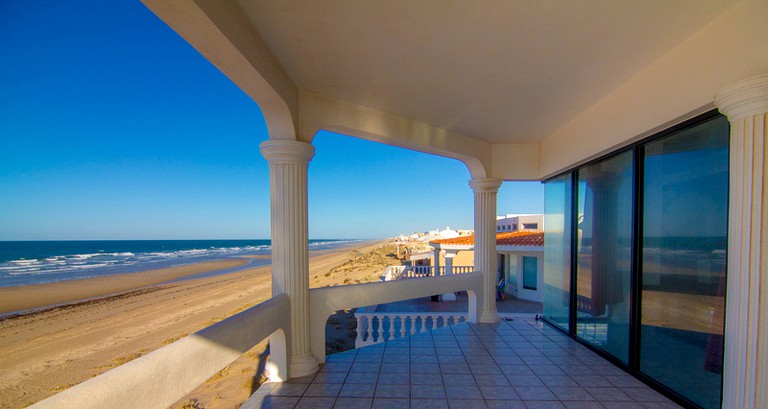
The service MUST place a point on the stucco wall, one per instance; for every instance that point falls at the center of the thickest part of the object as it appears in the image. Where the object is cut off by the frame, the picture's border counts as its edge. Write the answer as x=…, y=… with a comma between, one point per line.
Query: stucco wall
x=676, y=87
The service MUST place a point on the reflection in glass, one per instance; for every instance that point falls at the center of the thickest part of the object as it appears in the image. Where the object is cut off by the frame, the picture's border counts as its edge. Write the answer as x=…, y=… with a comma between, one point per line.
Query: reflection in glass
x=557, y=250
x=511, y=272
x=685, y=214
x=604, y=254
x=530, y=273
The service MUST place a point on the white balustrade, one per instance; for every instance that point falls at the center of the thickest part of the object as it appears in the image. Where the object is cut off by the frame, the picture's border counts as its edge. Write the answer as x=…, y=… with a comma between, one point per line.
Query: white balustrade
x=400, y=272
x=376, y=327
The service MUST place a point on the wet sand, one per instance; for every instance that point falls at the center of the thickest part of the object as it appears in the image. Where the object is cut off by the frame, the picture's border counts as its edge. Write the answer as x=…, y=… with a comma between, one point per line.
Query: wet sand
x=48, y=294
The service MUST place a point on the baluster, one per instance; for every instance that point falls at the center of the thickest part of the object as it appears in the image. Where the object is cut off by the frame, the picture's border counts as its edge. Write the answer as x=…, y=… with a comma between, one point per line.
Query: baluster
x=367, y=323
x=392, y=326
x=380, y=331
x=402, y=326
x=371, y=330
x=359, y=338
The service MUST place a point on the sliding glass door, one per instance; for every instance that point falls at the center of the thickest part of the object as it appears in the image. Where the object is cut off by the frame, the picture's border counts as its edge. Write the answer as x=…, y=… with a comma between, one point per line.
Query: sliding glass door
x=635, y=257
x=557, y=251
x=604, y=257
x=685, y=215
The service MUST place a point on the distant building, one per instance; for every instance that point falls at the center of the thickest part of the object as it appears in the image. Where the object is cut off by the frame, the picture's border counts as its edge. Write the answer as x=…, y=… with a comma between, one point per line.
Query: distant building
x=519, y=222
x=520, y=253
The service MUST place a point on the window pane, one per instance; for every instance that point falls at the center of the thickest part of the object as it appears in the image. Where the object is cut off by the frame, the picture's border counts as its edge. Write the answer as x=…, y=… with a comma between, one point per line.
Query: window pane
x=683, y=274
x=512, y=271
x=530, y=271
x=557, y=250
x=604, y=254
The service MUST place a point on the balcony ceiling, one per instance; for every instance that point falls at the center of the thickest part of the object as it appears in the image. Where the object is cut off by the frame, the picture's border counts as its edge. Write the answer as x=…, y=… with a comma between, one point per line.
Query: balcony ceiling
x=500, y=71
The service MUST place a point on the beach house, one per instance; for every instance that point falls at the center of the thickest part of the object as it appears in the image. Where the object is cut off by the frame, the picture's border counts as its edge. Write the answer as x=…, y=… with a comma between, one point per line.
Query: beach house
x=520, y=258
x=645, y=120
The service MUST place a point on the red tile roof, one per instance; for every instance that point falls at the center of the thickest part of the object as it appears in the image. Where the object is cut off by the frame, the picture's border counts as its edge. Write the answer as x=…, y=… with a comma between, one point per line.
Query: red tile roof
x=461, y=240
x=525, y=238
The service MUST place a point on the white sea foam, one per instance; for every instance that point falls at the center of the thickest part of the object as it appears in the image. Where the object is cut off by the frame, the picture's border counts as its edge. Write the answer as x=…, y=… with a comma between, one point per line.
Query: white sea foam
x=82, y=265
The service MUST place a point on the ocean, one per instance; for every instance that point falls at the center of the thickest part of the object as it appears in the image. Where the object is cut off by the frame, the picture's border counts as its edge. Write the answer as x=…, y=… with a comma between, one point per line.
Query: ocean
x=35, y=262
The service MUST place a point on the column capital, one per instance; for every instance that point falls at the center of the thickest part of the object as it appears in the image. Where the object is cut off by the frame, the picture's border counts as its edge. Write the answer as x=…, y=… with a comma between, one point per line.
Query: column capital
x=744, y=98
x=287, y=152
x=485, y=185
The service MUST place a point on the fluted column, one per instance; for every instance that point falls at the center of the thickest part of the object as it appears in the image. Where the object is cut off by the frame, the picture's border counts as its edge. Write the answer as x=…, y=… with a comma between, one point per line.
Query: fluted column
x=288, y=162
x=745, y=378
x=485, y=242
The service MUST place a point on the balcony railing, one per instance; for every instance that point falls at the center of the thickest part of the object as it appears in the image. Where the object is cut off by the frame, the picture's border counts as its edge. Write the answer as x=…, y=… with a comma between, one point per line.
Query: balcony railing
x=373, y=327
x=325, y=301
x=166, y=375
x=161, y=378
x=399, y=272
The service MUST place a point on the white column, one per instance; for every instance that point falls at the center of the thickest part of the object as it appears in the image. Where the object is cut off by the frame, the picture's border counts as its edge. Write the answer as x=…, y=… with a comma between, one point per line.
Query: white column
x=485, y=242
x=436, y=271
x=449, y=255
x=745, y=378
x=288, y=162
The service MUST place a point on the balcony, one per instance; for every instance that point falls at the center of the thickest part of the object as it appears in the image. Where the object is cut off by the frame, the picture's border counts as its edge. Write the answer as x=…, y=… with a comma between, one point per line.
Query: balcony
x=516, y=363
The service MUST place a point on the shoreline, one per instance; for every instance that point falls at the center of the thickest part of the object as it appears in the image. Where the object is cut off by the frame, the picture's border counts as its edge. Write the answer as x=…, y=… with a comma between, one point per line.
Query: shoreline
x=19, y=300
x=31, y=298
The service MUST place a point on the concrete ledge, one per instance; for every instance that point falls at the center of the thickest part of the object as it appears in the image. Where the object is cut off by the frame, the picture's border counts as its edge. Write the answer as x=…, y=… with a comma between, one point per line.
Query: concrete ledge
x=161, y=378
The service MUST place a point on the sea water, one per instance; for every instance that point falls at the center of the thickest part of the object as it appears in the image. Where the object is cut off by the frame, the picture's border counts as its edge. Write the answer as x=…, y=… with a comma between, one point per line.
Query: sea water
x=34, y=262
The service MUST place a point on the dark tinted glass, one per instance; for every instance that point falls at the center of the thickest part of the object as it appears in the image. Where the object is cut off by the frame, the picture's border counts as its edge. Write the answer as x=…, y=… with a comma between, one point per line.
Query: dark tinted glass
x=685, y=214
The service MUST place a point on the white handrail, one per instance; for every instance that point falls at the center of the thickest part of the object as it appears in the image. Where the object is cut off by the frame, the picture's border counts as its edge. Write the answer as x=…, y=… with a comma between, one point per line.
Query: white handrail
x=398, y=272
x=168, y=374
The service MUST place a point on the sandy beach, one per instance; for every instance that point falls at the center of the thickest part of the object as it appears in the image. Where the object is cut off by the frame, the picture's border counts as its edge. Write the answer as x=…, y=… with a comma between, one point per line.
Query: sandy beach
x=49, y=349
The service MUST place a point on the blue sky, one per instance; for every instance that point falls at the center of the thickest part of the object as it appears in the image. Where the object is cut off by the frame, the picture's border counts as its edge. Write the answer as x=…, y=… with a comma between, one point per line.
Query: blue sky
x=113, y=127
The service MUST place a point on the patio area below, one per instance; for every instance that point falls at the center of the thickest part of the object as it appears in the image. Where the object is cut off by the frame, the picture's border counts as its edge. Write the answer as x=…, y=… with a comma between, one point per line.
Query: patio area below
x=518, y=363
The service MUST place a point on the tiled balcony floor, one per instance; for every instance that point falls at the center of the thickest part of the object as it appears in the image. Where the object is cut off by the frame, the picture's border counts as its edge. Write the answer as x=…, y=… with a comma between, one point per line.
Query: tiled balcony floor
x=518, y=364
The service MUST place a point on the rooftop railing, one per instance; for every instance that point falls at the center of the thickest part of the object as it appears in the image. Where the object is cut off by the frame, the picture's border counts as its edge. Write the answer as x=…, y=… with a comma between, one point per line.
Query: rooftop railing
x=399, y=272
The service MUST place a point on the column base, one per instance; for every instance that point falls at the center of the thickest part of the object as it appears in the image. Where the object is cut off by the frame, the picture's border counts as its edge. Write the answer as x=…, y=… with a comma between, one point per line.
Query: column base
x=489, y=317
x=303, y=365
x=449, y=297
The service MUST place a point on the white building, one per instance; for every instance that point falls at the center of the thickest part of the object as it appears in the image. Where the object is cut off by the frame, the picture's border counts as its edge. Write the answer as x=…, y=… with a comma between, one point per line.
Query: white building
x=519, y=222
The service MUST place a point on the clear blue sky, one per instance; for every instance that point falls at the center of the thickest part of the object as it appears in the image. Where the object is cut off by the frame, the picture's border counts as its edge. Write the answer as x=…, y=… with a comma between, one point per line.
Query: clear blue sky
x=113, y=127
